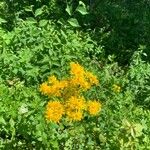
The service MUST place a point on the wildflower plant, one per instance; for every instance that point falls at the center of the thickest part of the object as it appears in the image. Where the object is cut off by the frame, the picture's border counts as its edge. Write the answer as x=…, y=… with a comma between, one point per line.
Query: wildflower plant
x=67, y=94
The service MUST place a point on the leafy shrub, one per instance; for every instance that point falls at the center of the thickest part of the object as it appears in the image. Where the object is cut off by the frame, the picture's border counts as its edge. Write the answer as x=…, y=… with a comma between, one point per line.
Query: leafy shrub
x=120, y=125
x=139, y=75
x=11, y=11
x=33, y=49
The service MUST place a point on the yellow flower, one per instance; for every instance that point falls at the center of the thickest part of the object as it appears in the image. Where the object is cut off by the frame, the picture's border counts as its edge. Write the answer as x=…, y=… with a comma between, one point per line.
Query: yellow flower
x=81, y=77
x=76, y=69
x=74, y=115
x=69, y=90
x=52, y=80
x=74, y=108
x=92, y=79
x=94, y=107
x=63, y=84
x=80, y=81
x=44, y=88
x=75, y=103
x=116, y=88
x=54, y=111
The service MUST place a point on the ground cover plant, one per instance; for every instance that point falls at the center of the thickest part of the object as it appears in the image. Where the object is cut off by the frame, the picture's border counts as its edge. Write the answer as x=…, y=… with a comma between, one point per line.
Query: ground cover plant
x=66, y=81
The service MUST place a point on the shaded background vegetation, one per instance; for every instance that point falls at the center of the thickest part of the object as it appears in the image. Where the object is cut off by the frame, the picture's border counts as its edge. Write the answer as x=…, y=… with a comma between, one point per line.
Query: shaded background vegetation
x=127, y=22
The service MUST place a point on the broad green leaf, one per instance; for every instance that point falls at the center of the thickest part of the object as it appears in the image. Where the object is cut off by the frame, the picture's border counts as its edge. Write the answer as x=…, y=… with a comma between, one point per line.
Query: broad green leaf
x=82, y=8
x=54, y=144
x=12, y=123
x=43, y=22
x=38, y=12
x=73, y=22
x=61, y=21
x=31, y=20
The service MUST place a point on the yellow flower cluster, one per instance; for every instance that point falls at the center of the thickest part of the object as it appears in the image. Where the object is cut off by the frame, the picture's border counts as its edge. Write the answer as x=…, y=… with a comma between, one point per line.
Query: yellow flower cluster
x=73, y=109
x=72, y=105
x=82, y=78
x=53, y=87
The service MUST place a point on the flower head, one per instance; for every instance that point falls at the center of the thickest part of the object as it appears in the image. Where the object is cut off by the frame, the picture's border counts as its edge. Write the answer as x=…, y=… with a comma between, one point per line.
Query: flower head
x=68, y=91
x=52, y=80
x=74, y=115
x=92, y=78
x=75, y=103
x=94, y=107
x=74, y=108
x=54, y=111
x=76, y=69
x=44, y=88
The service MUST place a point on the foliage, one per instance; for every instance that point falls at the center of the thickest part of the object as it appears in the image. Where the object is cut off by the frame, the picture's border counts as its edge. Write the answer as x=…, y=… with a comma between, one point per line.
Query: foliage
x=38, y=39
x=121, y=124
x=139, y=75
x=127, y=22
x=34, y=48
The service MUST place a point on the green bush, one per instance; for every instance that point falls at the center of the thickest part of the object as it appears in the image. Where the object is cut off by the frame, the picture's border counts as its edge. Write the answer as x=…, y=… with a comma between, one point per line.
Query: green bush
x=40, y=38
x=34, y=49
x=12, y=10
x=121, y=124
x=139, y=76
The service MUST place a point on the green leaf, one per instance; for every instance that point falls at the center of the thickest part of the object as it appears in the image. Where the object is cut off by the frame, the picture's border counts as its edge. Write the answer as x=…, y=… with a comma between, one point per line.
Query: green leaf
x=2, y=21
x=31, y=20
x=82, y=8
x=69, y=10
x=38, y=12
x=29, y=8
x=2, y=120
x=73, y=22
x=12, y=123
x=54, y=144
x=43, y=22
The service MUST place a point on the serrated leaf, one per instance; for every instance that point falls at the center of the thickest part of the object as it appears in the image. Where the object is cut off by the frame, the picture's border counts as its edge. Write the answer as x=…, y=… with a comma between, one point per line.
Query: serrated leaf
x=73, y=22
